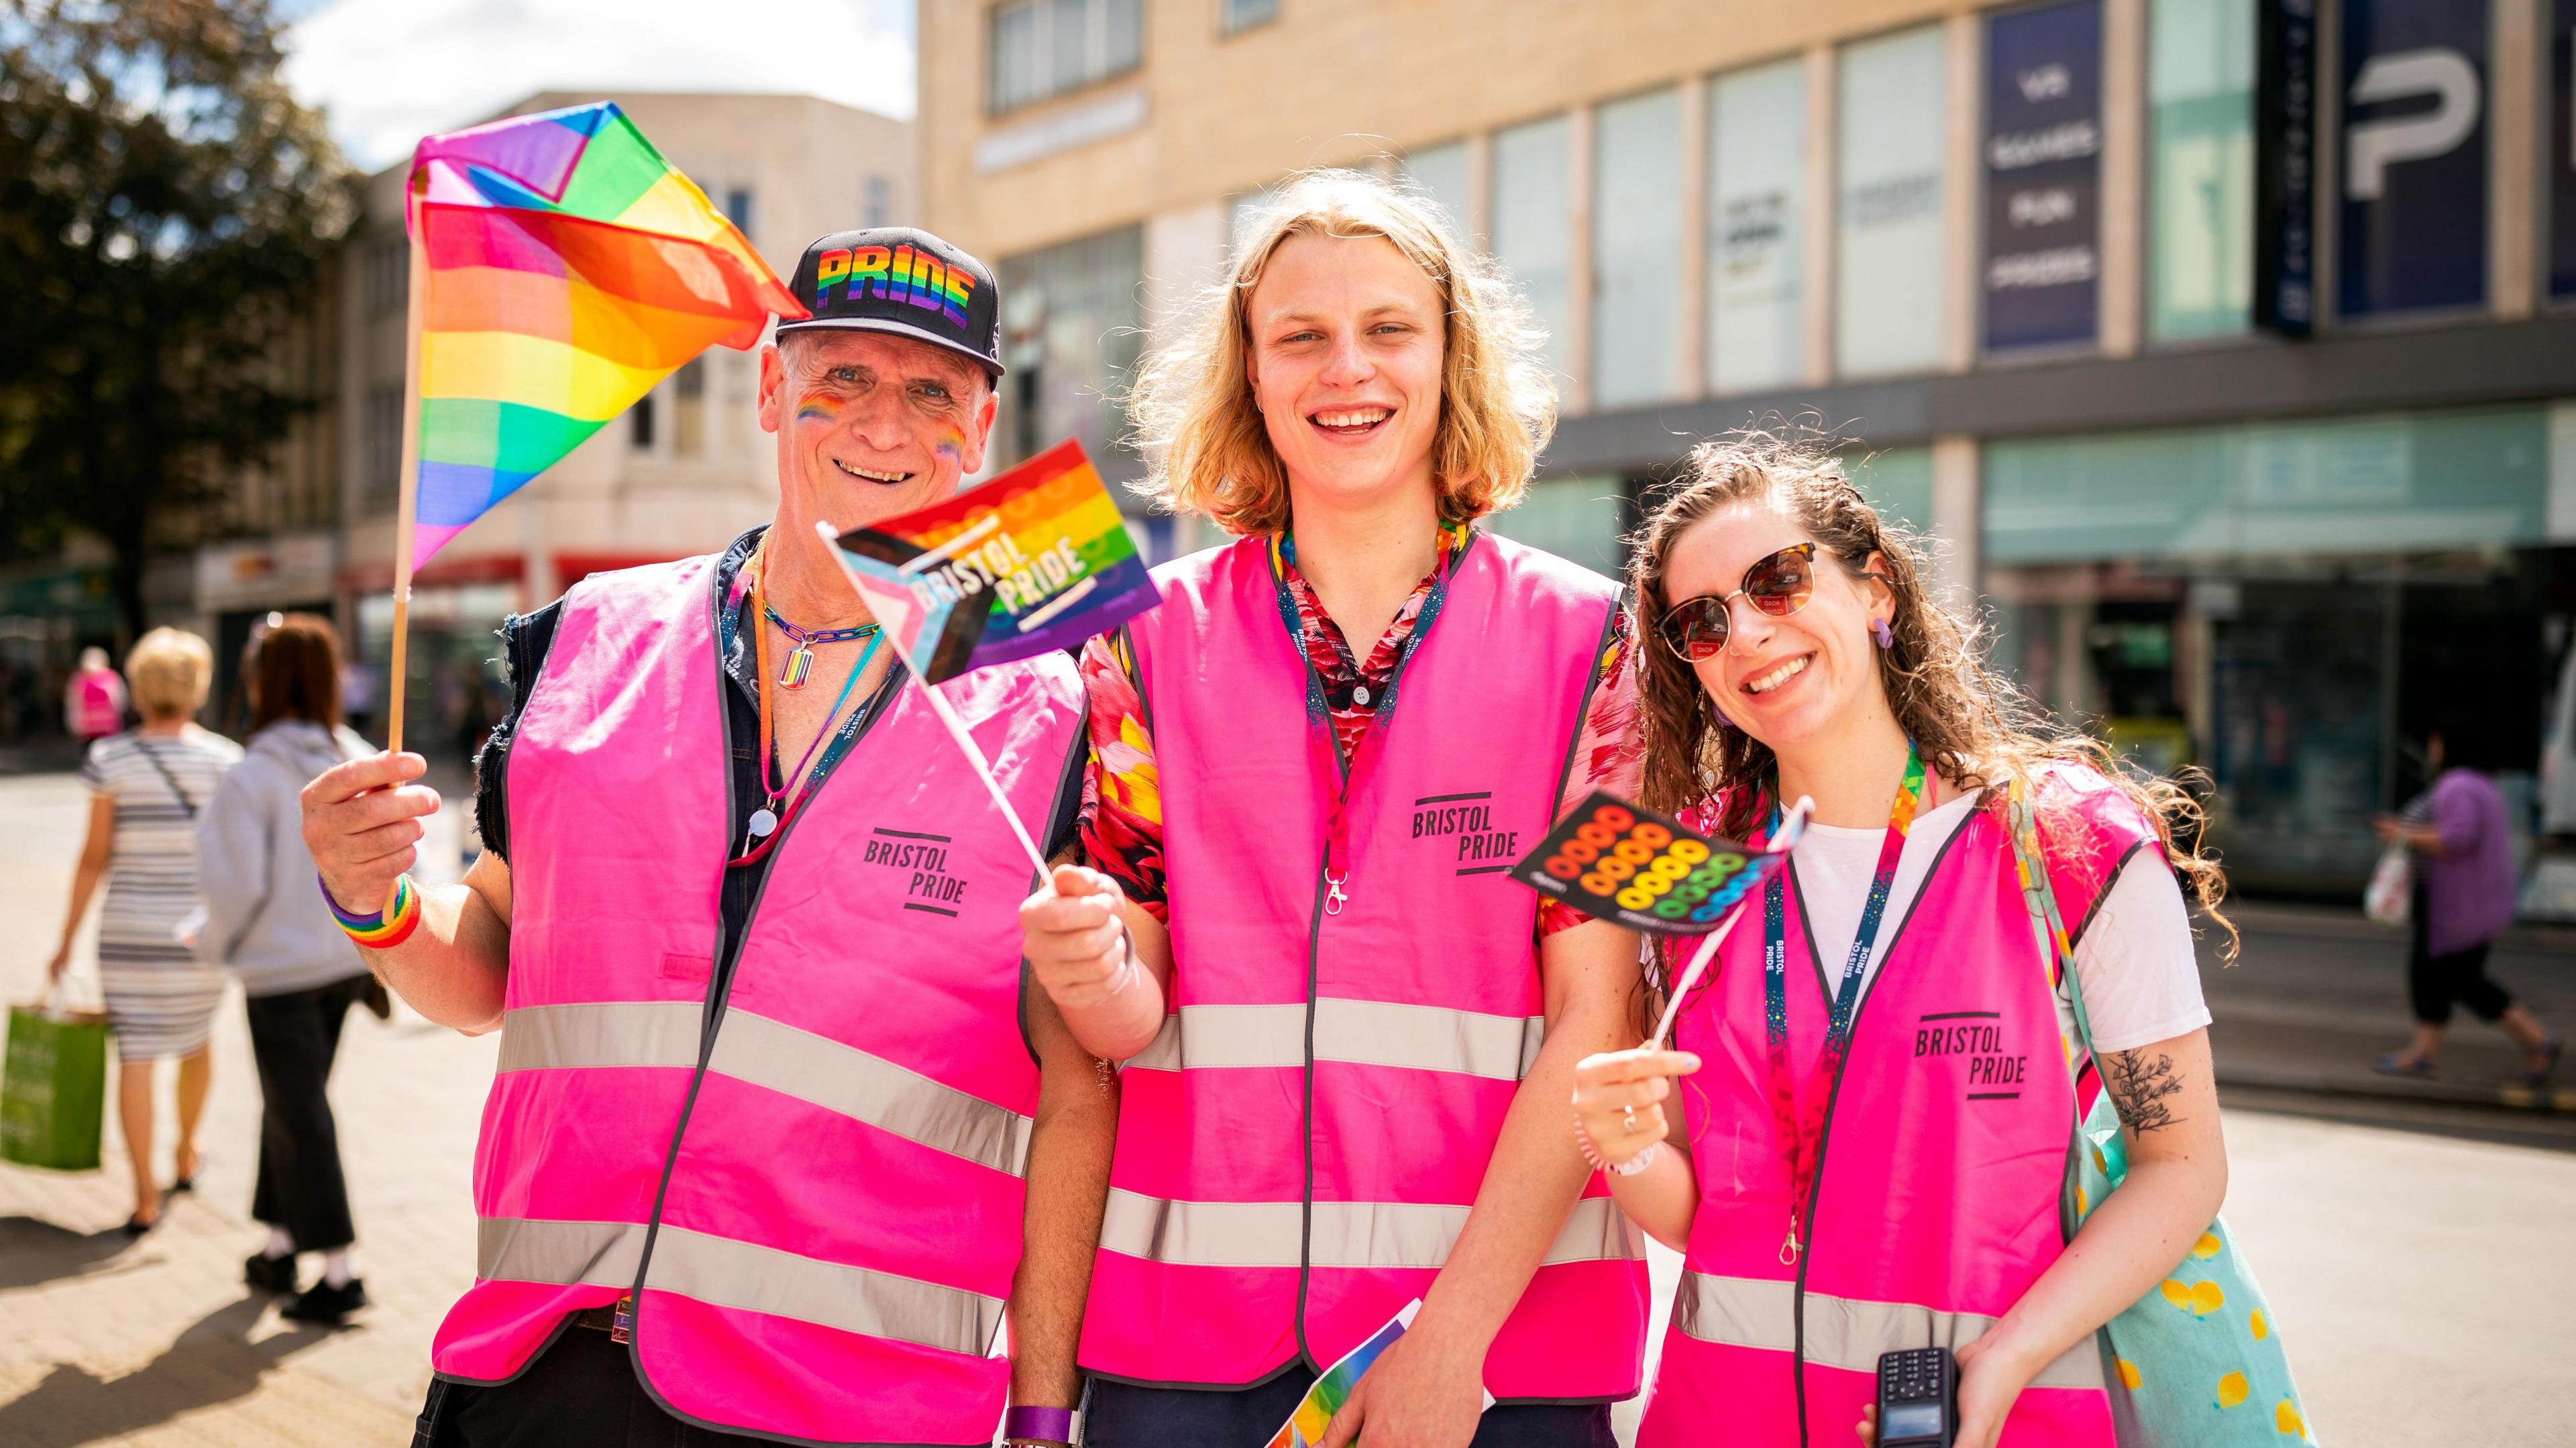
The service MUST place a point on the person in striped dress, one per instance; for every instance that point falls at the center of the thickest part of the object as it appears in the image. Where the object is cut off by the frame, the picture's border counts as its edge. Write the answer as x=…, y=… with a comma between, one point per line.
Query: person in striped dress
x=146, y=787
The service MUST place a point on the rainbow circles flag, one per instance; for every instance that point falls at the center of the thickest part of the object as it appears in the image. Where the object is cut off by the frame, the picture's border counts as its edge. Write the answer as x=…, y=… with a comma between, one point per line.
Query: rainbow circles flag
x=1037, y=559
x=1305, y=1427
x=570, y=268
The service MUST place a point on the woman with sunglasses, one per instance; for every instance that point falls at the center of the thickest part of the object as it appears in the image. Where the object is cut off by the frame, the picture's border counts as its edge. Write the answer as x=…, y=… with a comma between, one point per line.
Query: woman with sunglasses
x=1875, y=1100
x=1348, y=1038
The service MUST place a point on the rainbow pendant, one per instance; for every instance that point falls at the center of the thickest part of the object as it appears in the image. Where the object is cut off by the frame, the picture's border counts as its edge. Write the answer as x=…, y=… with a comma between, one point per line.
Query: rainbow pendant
x=799, y=668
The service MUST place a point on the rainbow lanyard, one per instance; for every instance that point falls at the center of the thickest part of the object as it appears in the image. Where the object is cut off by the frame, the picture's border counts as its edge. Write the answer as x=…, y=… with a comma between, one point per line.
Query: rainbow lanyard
x=1801, y=1132
x=1363, y=756
x=768, y=823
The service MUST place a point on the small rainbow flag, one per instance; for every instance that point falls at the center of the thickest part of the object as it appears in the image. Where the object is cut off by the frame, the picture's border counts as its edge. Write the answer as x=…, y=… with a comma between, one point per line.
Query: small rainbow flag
x=569, y=269
x=1315, y=1411
x=1034, y=560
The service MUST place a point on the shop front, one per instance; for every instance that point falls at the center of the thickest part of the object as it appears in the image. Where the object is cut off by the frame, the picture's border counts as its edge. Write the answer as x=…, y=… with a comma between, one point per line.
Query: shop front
x=238, y=587
x=2292, y=607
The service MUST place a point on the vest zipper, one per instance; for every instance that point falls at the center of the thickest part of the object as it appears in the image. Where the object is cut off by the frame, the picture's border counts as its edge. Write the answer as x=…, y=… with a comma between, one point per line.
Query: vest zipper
x=1306, y=1211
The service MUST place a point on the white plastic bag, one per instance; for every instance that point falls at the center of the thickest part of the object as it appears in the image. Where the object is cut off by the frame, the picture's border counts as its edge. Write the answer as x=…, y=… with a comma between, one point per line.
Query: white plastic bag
x=2390, y=897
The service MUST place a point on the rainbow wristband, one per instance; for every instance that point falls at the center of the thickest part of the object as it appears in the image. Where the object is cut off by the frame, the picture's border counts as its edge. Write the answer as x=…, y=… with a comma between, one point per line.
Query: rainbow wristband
x=381, y=931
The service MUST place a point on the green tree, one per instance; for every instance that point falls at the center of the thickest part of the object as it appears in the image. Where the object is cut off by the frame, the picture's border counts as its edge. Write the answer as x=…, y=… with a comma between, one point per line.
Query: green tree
x=164, y=206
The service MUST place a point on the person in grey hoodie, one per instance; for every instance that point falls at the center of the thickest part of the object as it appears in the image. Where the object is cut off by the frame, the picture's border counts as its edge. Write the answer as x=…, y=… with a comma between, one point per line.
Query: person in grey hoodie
x=266, y=923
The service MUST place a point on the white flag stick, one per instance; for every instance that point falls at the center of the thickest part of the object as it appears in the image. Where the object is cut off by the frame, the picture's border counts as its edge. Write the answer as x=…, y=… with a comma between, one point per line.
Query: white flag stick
x=983, y=770
x=1782, y=841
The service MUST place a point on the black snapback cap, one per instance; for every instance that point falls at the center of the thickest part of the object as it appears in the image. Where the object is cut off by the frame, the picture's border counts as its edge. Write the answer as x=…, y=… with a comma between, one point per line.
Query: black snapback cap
x=905, y=281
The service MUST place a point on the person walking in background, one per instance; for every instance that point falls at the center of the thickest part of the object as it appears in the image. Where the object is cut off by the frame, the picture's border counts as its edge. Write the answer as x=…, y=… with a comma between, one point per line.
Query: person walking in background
x=146, y=788
x=94, y=700
x=2464, y=893
x=267, y=924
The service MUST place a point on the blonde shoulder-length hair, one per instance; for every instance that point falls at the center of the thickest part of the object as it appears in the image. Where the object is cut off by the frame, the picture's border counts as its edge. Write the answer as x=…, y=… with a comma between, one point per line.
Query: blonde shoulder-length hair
x=1203, y=438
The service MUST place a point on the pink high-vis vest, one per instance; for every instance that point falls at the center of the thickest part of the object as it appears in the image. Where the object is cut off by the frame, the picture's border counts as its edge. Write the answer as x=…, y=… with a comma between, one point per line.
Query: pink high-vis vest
x=1299, y=1148
x=812, y=1181
x=98, y=703
x=1940, y=1180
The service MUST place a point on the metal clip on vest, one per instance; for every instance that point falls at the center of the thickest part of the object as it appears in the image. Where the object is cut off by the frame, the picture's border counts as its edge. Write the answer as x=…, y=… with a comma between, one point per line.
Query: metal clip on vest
x=1334, y=899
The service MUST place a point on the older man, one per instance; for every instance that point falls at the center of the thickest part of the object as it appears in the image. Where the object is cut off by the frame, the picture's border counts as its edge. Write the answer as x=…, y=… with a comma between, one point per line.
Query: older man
x=773, y=1107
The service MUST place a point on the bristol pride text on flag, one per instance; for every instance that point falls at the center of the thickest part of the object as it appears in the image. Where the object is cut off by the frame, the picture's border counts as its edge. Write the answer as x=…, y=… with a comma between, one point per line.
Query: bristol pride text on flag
x=1034, y=560
x=568, y=269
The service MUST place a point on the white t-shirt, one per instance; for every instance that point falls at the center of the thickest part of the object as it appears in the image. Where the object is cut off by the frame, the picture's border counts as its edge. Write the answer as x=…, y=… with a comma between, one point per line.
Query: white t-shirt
x=2135, y=959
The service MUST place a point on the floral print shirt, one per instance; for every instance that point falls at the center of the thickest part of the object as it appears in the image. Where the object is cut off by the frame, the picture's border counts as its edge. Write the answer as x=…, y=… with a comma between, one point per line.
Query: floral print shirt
x=1122, y=810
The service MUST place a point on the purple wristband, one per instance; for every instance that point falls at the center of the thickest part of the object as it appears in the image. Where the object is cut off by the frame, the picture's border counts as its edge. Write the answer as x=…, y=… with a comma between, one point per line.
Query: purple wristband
x=1052, y=1425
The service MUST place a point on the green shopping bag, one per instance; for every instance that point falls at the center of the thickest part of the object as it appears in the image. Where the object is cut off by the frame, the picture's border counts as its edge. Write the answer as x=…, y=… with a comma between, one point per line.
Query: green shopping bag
x=2199, y=1361
x=53, y=1088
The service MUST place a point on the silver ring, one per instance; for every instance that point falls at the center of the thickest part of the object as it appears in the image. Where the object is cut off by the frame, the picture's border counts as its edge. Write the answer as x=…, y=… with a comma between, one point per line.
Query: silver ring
x=1628, y=1115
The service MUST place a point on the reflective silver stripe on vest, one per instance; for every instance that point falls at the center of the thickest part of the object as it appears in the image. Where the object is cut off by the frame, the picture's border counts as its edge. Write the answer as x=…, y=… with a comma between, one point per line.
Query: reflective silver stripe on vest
x=1363, y=1033
x=562, y=1254
x=867, y=1088
x=776, y=1056
x=1844, y=1332
x=748, y=1278
x=740, y=1275
x=605, y=1034
x=1345, y=1234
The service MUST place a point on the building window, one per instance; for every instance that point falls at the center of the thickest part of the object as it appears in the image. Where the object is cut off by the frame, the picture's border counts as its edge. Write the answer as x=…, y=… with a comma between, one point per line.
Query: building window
x=1237, y=15
x=1440, y=173
x=1043, y=48
x=639, y=424
x=738, y=209
x=388, y=277
x=1072, y=322
x=1582, y=519
x=878, y=208
x=689, y=408
x=1532, y=236
x=1889, y=261
x=2200, y=168
x=1897, y=481
x=1757, y=202
x=1636, y=248
x=382, y=486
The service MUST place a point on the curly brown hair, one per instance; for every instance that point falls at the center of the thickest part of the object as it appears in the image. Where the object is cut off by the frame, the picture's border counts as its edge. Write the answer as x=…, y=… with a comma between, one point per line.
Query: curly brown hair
x=1973, y=726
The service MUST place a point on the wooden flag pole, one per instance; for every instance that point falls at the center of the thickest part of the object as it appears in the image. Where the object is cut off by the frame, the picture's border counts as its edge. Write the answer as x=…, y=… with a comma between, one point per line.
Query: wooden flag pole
x=415, y=303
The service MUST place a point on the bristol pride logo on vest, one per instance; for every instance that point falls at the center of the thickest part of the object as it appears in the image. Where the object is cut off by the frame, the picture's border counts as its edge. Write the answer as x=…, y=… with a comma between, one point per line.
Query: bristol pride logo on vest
x=1035, y=560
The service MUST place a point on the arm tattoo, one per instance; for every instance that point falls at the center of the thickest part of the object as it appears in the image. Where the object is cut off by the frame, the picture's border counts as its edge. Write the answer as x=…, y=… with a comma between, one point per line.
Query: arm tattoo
x=2139, y=1088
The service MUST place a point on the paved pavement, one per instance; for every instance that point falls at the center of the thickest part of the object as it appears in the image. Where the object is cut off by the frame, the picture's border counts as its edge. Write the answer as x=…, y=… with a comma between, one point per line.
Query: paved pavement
x=2419, y=1253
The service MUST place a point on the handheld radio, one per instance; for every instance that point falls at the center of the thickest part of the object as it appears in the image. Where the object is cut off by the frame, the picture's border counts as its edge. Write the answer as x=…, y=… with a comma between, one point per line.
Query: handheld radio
x=1918, y=1398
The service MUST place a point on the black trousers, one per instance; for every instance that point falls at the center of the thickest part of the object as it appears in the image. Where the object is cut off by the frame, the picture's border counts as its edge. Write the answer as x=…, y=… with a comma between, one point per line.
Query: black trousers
x=2434, y=983
x=581, y=1392
x=1125, y=1416
x=293, y=1038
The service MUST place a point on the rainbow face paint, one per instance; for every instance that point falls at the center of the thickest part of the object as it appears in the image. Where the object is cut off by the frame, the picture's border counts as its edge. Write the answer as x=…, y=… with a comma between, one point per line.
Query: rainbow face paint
x=951, y=446
x=820, y=407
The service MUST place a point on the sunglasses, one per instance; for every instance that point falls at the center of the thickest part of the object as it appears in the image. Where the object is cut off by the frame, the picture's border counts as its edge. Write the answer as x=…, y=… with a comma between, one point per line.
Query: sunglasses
x=1780, y=585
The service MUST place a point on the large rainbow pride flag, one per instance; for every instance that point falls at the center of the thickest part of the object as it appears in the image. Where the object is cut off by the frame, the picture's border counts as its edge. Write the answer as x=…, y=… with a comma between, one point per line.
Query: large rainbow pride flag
x=570, y=268
x=1035, y=559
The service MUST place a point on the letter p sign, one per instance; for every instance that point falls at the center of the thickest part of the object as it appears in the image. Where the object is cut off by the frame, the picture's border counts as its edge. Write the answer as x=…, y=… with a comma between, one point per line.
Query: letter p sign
x=2443, y=76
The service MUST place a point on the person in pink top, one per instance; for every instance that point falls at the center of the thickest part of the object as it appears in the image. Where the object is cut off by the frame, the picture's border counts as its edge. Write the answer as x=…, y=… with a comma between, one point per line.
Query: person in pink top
x=1861, y=1134
x=1347, y=1037
x=94, y=700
